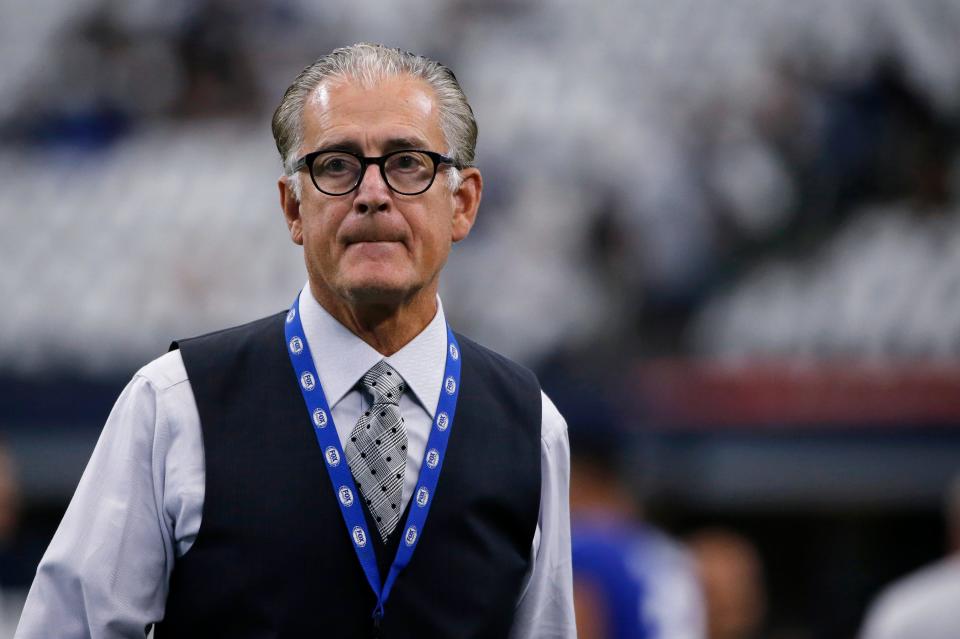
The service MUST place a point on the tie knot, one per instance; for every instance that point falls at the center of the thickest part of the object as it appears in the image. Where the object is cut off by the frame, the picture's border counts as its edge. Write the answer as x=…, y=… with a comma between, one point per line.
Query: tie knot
x=384, y=383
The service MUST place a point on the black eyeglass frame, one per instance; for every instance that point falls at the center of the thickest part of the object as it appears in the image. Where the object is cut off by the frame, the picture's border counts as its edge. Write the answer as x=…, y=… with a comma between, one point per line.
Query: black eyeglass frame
x=306, y=162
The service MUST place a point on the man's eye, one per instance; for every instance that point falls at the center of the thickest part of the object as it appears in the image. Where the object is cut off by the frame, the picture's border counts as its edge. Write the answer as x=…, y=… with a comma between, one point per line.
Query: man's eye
x=336, y=165
x=408, y=161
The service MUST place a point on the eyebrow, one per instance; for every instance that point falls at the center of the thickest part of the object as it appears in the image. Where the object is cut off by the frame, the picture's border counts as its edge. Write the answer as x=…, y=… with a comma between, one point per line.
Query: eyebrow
x=393, y=144
x=405, y=143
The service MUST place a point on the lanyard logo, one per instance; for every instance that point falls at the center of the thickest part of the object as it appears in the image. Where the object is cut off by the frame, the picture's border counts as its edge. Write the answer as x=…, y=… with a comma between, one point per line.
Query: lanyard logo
x=296, y=345
x=308, y=381
x=423, y=496
x=333, y=456
x=320, y=417
x=359, y=537
x=411, y=537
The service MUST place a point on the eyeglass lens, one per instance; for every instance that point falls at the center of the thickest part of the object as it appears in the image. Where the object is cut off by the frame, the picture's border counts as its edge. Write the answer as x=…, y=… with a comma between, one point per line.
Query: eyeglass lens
x=406, y=172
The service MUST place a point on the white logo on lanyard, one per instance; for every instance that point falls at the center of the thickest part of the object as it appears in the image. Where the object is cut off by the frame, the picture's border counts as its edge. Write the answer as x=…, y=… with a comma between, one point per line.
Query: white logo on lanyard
x=333, y=457
x=320, y=418
x=423, y=496
x=296, y=345
x=307, y=381
x=291, y=315
x=411, y=537
x=450, y=385
x=443, y=420
x=433, y=458
x=454, y=353
x=346, y=496
x=359, y=537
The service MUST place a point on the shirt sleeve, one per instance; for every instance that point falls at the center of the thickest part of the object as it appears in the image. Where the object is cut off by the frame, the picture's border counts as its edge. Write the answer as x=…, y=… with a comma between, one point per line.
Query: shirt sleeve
x=545, y=609
x=106, y=572
x=888, y=616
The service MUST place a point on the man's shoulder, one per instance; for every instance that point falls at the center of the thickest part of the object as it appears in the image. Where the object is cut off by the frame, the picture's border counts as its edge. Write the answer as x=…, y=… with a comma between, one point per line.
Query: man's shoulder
x=169, y=369
x=927, y=582
x=516, y=377
x=917, y=603
x=495, y=360
x=238, y=333
x=164, y=372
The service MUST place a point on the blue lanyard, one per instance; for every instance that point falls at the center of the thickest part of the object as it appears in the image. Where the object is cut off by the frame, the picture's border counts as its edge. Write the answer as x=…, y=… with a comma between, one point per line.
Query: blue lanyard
x=339, y=471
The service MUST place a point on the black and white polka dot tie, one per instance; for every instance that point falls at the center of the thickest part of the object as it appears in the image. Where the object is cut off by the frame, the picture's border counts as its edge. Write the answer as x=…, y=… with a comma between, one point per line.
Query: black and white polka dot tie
x=377, y=450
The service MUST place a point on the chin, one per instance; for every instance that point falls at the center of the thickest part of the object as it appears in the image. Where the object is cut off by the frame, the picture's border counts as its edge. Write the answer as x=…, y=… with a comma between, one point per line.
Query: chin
x=378, y=292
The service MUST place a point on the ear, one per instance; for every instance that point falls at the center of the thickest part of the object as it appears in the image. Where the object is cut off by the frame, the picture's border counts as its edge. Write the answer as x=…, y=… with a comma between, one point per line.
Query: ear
x=466, y=202
x=291, y=208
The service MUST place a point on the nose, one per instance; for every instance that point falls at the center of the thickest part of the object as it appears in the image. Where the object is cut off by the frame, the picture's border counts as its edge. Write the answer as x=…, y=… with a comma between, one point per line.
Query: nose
x=373, y=194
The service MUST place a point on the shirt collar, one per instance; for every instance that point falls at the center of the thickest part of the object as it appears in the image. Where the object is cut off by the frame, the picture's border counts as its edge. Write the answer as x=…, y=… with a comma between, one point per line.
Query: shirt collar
x=341, y=358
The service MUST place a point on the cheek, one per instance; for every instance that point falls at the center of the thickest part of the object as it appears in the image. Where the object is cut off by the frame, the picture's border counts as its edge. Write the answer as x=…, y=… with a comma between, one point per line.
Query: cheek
x=314, y=229
x=437, y=228
x=437, y=242
x=320, y=227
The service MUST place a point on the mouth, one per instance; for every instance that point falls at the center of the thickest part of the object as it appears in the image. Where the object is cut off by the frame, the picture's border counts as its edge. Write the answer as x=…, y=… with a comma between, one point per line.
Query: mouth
x=374, y=248
x=372, y=242
x=373, y=238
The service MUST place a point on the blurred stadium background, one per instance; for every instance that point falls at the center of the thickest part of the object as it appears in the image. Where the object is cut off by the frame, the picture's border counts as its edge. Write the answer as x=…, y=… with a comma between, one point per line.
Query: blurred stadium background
x=729, y=228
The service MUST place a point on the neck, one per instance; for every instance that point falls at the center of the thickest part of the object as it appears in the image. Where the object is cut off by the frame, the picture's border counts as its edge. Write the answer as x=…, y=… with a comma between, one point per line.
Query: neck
x=384, y=326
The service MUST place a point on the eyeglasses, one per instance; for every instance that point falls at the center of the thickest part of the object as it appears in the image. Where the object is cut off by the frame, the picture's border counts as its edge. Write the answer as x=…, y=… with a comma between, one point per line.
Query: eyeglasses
x=407, y=172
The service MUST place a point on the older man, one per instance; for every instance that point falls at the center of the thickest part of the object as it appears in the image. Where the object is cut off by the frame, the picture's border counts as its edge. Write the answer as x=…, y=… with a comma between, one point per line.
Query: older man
x=350, y=467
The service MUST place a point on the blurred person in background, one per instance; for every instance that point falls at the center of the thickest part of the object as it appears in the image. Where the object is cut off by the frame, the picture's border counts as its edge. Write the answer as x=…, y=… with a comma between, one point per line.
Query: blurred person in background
x=924, y=604
x=731, y=575
x=13, y=573
x=9, y=503
x=378, y=147
x=631, y=581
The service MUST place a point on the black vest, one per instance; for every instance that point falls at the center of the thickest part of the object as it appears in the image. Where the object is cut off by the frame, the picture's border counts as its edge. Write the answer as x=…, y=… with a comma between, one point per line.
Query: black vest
x=273, y=557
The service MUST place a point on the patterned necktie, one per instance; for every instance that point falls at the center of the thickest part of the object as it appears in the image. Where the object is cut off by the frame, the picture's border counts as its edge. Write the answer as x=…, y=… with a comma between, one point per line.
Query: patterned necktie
x=377, y=450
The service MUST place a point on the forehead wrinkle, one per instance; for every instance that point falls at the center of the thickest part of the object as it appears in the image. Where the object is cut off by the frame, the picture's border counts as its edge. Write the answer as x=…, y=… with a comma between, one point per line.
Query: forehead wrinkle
x=390, y=144
x=335, y=98
x=425, y=100
x=360, y=144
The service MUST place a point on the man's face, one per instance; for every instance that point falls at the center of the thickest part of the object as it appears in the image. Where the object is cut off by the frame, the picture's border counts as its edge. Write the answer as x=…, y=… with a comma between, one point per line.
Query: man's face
x=374, y=245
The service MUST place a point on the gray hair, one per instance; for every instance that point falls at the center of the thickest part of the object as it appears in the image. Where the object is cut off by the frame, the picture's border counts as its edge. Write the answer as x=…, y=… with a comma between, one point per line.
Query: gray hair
x=369, y=63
